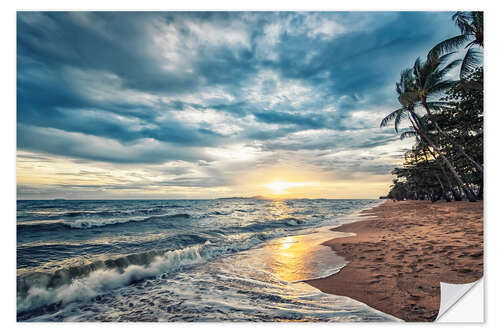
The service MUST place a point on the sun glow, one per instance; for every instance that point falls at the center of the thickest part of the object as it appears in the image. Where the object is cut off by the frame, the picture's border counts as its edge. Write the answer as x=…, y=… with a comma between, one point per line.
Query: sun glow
x=281, y=187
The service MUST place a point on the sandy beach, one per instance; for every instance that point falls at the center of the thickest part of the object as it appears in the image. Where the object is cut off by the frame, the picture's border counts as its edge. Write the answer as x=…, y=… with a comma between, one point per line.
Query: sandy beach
x=399, y=256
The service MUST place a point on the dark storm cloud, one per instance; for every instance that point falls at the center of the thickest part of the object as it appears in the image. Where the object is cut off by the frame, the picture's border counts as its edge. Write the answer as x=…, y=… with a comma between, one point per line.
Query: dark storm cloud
x=57, y=142
x=362, y=64
x=127, y=77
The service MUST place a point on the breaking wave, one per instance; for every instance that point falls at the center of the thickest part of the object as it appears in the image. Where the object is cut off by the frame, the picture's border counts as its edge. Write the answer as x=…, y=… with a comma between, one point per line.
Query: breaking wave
x=85, y=282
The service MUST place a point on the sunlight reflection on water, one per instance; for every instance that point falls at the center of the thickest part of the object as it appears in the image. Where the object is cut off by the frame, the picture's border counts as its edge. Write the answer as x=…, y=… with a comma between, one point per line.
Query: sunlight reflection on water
x=302, y=257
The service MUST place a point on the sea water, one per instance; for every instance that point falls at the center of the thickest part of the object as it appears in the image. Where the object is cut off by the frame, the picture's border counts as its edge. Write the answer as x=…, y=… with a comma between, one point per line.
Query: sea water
x=181, y=260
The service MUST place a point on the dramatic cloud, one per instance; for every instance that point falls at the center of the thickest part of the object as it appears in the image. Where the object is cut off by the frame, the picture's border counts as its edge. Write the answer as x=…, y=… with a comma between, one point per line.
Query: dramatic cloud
x=196, y=100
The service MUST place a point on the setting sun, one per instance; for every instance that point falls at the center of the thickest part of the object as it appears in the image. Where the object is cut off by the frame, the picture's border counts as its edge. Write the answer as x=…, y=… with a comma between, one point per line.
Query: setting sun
x=280, y=187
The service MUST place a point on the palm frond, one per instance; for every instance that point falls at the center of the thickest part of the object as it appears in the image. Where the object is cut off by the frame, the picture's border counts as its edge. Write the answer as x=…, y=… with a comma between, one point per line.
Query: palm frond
x=445, y=57
x=446, y=69
x=471, y=60
x=477, y=20
x=399, y=117
x=408, y=98
x=391, y=116
x=438, y=106
x=441, y=86
x=437, y=74
x=408, y=134
x=417, y=70
x=462, y=21
x=400, y=85
x=406, y=88
x=448, y=45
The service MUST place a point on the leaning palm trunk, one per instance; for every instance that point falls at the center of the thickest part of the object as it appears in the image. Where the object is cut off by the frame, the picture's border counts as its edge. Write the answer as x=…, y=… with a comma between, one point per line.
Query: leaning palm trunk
x=439, y=195
x=470, y=195
x=459, y=147
x=455, y=194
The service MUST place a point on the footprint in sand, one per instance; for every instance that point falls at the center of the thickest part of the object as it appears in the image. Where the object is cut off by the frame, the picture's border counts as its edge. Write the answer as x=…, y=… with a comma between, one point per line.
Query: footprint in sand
x=373, y=281
x=477, y=254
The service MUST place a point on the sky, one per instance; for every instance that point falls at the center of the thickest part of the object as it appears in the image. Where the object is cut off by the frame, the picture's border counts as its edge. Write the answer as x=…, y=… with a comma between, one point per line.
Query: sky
x=173, y=105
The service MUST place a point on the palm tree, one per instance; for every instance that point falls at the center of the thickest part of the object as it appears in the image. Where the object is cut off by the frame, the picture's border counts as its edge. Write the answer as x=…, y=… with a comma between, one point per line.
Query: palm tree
x=408, y=96
x=430, y=80
x=471, y=30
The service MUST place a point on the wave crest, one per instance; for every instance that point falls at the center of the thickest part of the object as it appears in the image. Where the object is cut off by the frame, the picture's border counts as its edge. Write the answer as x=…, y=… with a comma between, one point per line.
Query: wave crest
x=40, y=289
x=37, y=290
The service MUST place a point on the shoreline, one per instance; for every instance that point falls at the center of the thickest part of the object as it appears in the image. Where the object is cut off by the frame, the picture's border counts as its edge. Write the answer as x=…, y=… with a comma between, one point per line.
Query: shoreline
x=400, y=253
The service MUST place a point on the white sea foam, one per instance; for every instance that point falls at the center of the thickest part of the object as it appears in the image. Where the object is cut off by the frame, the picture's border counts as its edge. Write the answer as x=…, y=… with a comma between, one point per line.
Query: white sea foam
x=102, y=280
x=235, y=288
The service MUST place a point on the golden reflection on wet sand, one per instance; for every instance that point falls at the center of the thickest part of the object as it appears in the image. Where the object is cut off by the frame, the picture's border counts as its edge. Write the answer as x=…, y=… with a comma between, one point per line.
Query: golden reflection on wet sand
x=303, y=257
x=291, y=258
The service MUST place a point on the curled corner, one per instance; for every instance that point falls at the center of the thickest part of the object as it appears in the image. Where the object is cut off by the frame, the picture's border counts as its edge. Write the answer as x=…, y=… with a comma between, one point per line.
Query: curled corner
x=451, y=294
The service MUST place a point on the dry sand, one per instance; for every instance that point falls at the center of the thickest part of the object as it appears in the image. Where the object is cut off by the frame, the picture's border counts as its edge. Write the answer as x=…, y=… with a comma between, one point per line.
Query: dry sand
x=397, y=258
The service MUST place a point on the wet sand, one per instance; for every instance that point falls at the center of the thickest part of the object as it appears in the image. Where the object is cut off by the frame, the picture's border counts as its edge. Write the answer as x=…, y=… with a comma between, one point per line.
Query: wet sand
x=399, y=256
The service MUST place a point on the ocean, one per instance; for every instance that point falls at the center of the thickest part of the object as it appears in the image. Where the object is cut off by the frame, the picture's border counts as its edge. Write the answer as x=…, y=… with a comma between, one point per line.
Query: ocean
x=181, y=260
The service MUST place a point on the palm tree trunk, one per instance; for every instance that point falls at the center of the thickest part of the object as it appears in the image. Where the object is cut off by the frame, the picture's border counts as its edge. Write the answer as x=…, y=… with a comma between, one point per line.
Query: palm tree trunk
x=443, y=191
x=439, y=195
x=454, y=172
x=480, y=193
x=445, y=176
x=456, y=145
